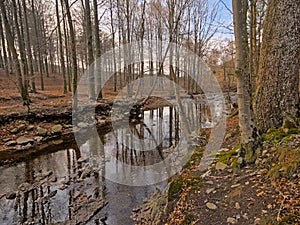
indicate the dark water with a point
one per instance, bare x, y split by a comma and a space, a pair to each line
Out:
70, 185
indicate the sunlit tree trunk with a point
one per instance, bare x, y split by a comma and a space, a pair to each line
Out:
248, 139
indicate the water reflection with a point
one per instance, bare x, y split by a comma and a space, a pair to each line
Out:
69, 185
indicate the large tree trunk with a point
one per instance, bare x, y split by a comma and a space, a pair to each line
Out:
277, 96
243, 80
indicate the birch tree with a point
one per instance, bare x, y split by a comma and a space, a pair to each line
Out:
246, 122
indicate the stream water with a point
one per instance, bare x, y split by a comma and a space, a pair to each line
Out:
69, 185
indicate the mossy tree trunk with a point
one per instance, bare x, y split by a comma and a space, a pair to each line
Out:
277, 96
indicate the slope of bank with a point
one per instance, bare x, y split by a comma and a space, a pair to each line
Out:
267, 192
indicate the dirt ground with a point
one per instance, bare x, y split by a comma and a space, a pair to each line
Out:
254, 195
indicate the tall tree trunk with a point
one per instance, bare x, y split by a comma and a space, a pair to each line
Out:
98, 50
66, 40
61, 50
20, 37
113, 43
253, 43
38, 47
73, 52
5, 57
29, 51
277, 96
89, 40
248, 138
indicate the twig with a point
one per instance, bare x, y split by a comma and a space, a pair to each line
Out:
280, 209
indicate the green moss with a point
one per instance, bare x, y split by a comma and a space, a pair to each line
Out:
288, 124
225, 157
274, 135
271, 130
196, 155
175, 188
288, 138
294, 131
188, 219
179, 184
234, 163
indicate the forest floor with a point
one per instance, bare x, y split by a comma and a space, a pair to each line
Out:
50, 113
265, 193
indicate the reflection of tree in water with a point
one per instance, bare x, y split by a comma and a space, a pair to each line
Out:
161, 134
163, 131
70, 185
36, 200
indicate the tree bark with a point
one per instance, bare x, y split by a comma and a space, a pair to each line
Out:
246, 122
277, 96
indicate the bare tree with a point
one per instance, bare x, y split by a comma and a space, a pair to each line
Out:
61, 50
10, 40
73, 52
248, 138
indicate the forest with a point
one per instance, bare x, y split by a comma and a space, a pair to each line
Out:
149, 112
